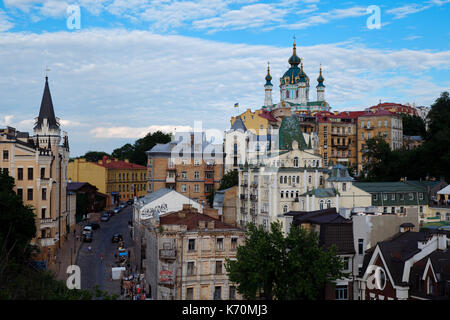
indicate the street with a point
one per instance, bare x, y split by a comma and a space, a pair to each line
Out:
93, 270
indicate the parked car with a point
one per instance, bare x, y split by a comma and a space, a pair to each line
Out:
93, 225
116, 210
87, 228
110, 212
87, 236
130, 202
123, 205
117, 237
105, 217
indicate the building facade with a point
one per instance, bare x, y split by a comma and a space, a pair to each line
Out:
188, 164
185, 254
38, 165
119, 180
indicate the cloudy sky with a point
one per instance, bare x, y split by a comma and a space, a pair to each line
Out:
136, 66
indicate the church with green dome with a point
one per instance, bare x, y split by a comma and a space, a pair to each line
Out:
295, 88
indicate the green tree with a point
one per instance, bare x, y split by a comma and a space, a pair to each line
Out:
230, 179
413, 126
94, 156
136, 152
285, 268
377, 155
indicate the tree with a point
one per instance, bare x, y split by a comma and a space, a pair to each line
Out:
136, 152
94, 156
413, 126
230, 179
284, 268
377, 155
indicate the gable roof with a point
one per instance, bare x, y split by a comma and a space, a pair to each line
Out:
446, 190
238, 125
386, 187
191, 220
75, 186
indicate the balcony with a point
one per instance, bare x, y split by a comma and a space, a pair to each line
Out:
243, 197
209, 180
253, 211
168, 254
170, 179
47, 223
254, 197
369, 127
47, 242
340, 134
209, 167
243, 210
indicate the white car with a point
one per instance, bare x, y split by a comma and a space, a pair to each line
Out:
87, 229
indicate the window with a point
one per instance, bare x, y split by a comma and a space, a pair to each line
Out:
30, 173
42, 173
43, 210
234, 242
393, 197
384, 209
411, 196
420, 196
287, 93
183, 175
189, 293
344, 187
44, 194
196, 162
328, 204
30, 194
217, 293
196, 175
385, 197
282, 194
341, 293
218, 267
402, 196
362, 124
191, 245
360, 246
375, 197
19, 173
190, 268
232, 293
430, 287
219, 244
393, 210
196, 188
296, 162
285, 208
20, 193
5, 155
183, 188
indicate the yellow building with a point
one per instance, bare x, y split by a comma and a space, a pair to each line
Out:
252, 120
120, 180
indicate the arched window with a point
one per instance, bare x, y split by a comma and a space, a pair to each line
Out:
285, 208
287, 93
430, 287
298, 179
296, 194
282, 194
321, 202
296, 162
438, 214
290, 180
296, 93
292, 194
285, 179
328, 204
281, 179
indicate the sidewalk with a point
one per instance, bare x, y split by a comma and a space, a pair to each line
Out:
66, 255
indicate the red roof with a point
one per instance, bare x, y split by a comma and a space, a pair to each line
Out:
267, 115
118, 164
192, 219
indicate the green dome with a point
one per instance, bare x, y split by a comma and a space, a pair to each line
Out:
294, 60
290, 131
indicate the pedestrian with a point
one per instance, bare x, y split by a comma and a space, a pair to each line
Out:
77, 237
101, 257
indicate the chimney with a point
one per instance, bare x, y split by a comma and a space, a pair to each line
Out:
213, 213
211, 225
181, 214
187, 207
202, 224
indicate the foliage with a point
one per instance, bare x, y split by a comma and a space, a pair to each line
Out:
431, 159
210, 198
230, 179
94, 156
413, 126
136, 153
284, 268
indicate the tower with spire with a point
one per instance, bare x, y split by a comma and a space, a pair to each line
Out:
268, 88
320, 86
47, 128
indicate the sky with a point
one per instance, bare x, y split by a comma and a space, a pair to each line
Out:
123, 68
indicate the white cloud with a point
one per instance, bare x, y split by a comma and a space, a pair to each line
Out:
403, 11
6, 120
135, 133
412, 37
5, 22
118, 83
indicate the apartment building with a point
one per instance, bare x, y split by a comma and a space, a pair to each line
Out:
380, 123
119, 180
188, 164
184, 256
38, 165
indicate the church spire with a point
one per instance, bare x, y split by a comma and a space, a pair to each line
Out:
46, 111
268, 88
320, 86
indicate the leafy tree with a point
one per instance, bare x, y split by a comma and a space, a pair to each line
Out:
413, 126
94, 156
285, 268
377, 154
230, 179
136, 153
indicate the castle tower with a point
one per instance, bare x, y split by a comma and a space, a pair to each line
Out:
268, 89
47, 126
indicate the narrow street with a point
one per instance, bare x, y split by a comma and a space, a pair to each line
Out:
93, 270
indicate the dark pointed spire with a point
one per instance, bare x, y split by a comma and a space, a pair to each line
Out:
320, 79
47, 111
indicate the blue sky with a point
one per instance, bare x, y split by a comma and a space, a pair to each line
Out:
137, 66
